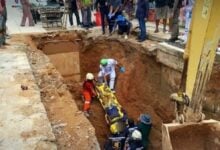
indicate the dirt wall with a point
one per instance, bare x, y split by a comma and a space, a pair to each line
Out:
71, 128
139, 89
144, 87
196, 137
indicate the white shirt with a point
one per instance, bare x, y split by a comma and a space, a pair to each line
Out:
109, 68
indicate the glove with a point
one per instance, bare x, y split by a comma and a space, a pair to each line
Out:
122, 69
109, 15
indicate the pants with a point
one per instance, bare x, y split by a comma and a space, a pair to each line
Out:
3, 19
187, 23
112, 76
124, 29
86, 16
104, 14
175, 25
27, 15
112, 22
142, 26
88, 98
71, 16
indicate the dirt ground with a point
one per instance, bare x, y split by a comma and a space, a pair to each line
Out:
139, 89
199, 137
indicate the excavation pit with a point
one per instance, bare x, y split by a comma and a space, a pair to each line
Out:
144, 87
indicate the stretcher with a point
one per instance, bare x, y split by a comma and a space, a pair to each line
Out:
115, 116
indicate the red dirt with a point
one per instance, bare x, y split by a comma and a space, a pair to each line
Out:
139, 89
195, 137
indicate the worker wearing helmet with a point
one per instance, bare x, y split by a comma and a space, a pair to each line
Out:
144, 126
88, 92
134, 141
107, 68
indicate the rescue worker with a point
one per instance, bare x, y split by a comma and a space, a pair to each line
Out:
107, 68
130, 127
88, 92
144, 126
26, 7
134, 141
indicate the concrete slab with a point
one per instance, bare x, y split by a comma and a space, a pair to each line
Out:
170, 56
23, 119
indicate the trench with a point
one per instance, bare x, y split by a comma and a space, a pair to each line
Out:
143, 88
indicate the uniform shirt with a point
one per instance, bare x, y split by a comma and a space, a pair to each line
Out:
109, 68
88, 85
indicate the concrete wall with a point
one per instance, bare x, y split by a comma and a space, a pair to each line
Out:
65, 57
171, 59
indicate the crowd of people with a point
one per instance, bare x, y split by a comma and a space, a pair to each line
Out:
119, 13
116, 14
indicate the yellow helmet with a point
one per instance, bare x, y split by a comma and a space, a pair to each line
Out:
117, 127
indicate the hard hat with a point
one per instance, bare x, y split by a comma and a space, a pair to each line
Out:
136, 135
104, 62
114, 128
145, 118
89, 76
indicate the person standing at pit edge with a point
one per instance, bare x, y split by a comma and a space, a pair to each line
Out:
73, 8
102, 6
107, 68
141, 14
88, 92
3, 18
26, 7
177, 4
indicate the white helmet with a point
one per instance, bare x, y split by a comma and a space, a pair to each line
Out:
136, 135
89, 76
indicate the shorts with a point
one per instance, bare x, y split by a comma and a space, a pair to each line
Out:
162, 12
